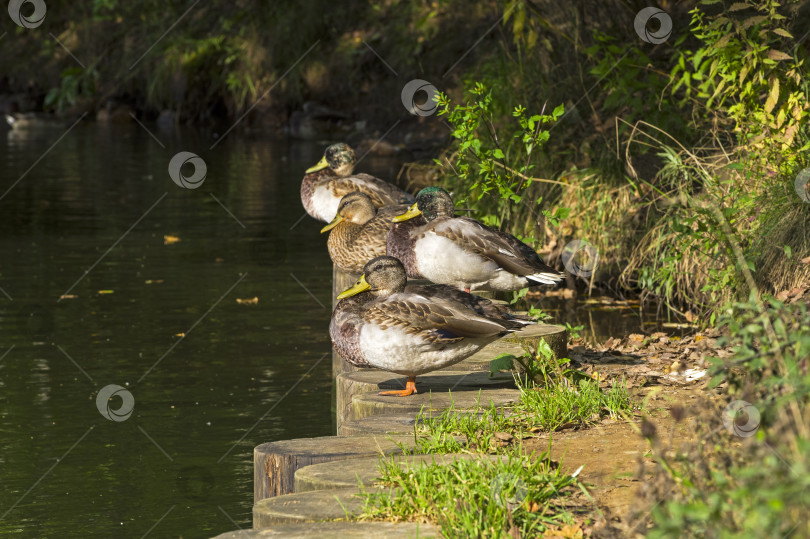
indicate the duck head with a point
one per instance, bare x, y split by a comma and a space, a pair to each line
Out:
382, 276
356, 208
339, 157
431, 202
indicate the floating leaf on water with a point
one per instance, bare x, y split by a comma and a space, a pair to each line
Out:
168, 240
106, 291
249, 301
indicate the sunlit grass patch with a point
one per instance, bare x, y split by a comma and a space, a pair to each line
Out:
476, 497
544, 408
566, 404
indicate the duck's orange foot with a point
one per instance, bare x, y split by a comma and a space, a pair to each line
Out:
410, 389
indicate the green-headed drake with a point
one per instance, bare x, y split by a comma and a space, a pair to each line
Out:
463, 252
410, 331
359, 231
331, 179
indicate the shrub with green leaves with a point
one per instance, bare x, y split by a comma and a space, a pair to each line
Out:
488, 162
760, 488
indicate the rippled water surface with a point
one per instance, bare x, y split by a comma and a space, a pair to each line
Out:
113, 275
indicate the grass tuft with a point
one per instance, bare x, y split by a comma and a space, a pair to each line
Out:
475, 497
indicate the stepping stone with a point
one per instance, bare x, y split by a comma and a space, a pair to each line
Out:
366, 470
480, 360
313, 506
348, 530
275, 463
381, 424
556, 337
351, 384
372, 404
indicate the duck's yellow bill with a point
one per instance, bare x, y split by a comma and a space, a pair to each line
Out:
322, 164
412, 212
335, 222
360, 286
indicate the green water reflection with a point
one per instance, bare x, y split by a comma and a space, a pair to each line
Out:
91, 219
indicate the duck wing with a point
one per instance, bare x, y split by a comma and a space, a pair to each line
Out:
482, 306
379, 226
504, 249
437, 318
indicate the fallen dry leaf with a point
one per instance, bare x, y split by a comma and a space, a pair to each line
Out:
252, 301
168, 240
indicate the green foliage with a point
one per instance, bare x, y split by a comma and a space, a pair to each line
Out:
574, 331
764, 498
475, 497
757, 489
76, 83
743, 59
489, 162
771, 343
711, 239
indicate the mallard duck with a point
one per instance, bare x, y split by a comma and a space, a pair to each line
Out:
359, 231
462, 252
18, 120
380, 323
331, 179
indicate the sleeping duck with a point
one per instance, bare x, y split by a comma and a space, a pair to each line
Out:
359, 231
331, 179
463, 252
379, 323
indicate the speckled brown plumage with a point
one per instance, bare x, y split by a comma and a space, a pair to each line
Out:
344, 330
351, 245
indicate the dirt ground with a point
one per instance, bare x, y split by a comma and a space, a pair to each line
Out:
668, 376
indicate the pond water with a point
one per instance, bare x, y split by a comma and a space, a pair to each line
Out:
106, 265
203, 312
